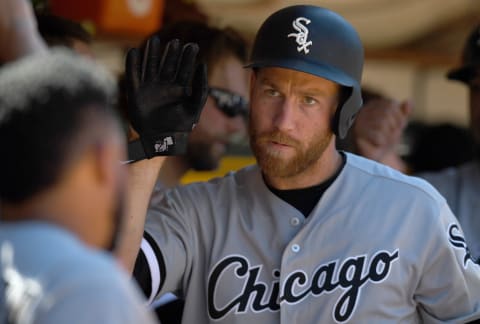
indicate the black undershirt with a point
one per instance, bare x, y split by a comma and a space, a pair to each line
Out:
306, 199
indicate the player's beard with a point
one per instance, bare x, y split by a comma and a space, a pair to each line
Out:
273, 164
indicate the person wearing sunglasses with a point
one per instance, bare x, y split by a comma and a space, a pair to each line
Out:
222, 118
230, 103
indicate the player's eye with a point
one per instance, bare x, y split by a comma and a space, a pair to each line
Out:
272, 92
307, 100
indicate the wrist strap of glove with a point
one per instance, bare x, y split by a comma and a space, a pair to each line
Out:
135, 151
161, 145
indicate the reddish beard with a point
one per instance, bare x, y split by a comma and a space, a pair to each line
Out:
273, 164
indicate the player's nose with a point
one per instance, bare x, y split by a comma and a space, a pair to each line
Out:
283, 119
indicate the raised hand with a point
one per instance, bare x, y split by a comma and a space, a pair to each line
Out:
378, 129
166, 93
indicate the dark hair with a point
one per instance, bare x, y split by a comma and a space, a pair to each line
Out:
47, 104
57, 30
214, 43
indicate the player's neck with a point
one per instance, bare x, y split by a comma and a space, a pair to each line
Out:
172, 171
52, 205
316, 174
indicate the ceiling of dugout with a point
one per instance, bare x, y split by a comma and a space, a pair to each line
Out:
435, 27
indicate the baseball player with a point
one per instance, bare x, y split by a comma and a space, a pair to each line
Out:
61, 191
310, 234
459, 185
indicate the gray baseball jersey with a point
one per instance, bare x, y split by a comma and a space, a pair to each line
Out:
48, 276
379, 247
461, 187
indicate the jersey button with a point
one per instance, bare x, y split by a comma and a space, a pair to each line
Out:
295, 248
294, 221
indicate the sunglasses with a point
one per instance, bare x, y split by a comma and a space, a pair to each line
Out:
231, 104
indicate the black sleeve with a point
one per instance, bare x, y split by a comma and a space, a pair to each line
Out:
142, 275
149, 270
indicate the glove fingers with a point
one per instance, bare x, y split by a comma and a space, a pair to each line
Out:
132, 70
151, 59
168, 67
199, 91
187, 64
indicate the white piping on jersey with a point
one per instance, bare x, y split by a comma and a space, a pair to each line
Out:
155, 274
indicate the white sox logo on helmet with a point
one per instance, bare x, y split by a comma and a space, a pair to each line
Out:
302, 36
256, 296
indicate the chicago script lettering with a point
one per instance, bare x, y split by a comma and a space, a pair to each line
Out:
256, 296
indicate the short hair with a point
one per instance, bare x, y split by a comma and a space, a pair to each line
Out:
214, 43
48, 103
59, 31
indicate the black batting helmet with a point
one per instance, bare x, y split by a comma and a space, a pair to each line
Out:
317, 41
470, 59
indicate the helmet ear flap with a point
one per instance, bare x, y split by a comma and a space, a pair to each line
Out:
344, 94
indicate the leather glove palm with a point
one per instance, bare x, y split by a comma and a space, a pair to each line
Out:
166, 93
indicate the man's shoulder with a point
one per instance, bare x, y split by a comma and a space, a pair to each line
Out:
367, 170
454, 181
469, 170
68, 274
55, 253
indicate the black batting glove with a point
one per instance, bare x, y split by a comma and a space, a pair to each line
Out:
166, 93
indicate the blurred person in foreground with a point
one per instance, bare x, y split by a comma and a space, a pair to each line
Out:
61, 190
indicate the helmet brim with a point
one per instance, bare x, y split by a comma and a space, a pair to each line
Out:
324, 71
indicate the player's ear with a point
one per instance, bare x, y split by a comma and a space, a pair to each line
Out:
105, 159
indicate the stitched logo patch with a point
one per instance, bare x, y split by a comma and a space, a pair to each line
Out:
301, 37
